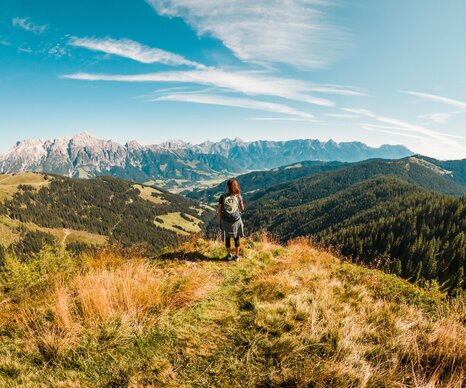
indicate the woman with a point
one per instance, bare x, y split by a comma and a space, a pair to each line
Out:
230, 207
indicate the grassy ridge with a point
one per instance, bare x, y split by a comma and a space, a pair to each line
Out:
283, 316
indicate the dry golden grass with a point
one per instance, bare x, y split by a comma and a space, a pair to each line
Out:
110, 288
305, 301
292, 316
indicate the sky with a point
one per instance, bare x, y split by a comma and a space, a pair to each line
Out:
376, 71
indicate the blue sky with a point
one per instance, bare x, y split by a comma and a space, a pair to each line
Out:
151, 70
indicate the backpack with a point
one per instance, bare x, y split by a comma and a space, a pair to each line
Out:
230, 209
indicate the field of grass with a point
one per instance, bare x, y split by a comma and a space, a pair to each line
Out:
150, 194
8, 235
9, 183
291, 316
170, 221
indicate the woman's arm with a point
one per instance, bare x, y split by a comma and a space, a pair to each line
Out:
241, 204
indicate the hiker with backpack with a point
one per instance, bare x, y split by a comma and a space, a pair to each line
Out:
230, 207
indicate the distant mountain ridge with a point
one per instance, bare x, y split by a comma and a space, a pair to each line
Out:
85, 156
265, 154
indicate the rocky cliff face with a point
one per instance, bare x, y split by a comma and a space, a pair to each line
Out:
85, 156
262, 154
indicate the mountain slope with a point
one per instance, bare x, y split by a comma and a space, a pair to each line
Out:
262, 180
175, 163
108, 208
372, 211
318, 186
412, 169
284, 317
84, 156
262, 154
453, 169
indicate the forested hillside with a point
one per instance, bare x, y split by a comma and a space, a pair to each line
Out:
372, 217
117, 210
260, 180
455, 169
416, 170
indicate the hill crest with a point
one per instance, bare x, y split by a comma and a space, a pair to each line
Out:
283, 316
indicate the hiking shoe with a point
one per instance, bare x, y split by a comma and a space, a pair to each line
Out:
228, 257
237, 258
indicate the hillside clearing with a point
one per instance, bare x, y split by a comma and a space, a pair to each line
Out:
176, 223
9, 183
283, 316
150, 194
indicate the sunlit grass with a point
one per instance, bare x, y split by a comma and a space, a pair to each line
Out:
283, 316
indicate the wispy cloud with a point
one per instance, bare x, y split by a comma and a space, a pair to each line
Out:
341, 90
57, 51
438, 118
340, 115
4, 42
212, 99
133, 50
27, 25
295, 32
249, 83
282, 119
436, 98
413, 129
24, 49
387, 129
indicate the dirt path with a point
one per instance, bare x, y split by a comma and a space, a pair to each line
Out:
66, 234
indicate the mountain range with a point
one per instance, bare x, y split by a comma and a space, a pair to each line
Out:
177, 163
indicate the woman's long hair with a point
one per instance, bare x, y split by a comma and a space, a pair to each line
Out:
233, 187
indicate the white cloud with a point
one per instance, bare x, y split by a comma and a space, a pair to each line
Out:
4, 42
27, 25
24, 49
438, 118
421, 132
281, 119
293, 32
340, 115
339, 90
130, 49
57, 51
212, 99
421, 144
387, 129
436, 98
249, 83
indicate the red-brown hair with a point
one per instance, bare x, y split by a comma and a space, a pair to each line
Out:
233, 187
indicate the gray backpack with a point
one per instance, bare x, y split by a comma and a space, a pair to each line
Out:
231, 211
